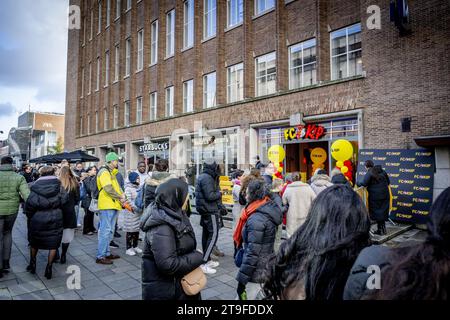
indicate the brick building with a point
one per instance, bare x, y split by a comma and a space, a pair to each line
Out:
247, 72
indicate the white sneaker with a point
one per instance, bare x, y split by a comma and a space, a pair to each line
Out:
213, 264
130, 252
207, 269
137, 250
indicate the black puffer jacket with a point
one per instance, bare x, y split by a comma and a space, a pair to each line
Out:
258, 241
208, 198
377, 182
44, 211
152, 183
69, 213
169, 248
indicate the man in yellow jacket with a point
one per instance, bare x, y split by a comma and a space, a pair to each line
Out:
110, 200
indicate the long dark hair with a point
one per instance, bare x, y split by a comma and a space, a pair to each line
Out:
319, 255
423, 271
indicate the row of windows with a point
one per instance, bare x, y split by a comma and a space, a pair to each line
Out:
345, 58
235, 16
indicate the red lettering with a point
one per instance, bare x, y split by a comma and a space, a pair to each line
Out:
310, 131
319, 132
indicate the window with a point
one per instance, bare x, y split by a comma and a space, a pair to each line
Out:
235, 83
170, 33
153, 105
116, 63
126, 116
235, 12
105, 119
81, 125
90, 78
92, 25
139, 110
118, 8
116, 117
127, 57
263, 5
82, 82
346, 52
128, 5
266, 74
209, 90
96, 122
302, 64
88, 118
209, 19
154, 43
106, 68
188, 34
97, 85
140, 53
99, 17
188, 96
84, 31
169, 101
108, 12
51, 138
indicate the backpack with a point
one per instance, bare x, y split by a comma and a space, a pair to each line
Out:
139, 201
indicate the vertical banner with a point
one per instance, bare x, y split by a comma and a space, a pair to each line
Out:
411, 173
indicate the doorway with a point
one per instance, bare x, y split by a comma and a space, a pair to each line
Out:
306, 157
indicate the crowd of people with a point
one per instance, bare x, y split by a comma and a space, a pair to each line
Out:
324, 253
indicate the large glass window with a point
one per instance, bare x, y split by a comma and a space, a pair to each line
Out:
188, 33
126, 118
188, 96
209, 19
127, 57
81, 125
92, 25
116, 63
99, 68
128, 4
106, 68
99, 17
266, 74
116, 117
139, 110
154, 43
105, 119
235, 12
263, 5
235, 83
96, 121
140, 54
169, 102
170, 33
153, 105
108, 12
346, 52
118, 8
90, 78
302, 64
82, 82
209, 90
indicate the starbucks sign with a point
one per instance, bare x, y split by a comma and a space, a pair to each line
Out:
151, 147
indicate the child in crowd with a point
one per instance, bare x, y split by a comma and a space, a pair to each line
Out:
132, 218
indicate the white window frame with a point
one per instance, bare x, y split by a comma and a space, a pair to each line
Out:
107, 62
126, 114
108, 13
347, 52
140, 52
139, 110
116, 63
82, 82
188, 96
99, 17
265, 57
90, 78
259, 11
127, 57
105, 119
169, 101
188, 24
209, 15
96, 122
99, 68
170, 33
153, 114
115, 116
208, 91
301, 45
154, 43
238, 84
118, 9
234, 6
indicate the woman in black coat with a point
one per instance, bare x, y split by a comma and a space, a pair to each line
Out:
44, 211
377, 183
90, 184
169, 246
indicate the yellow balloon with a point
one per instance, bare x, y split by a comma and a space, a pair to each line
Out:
318, 155
339, 164
344, 169
341, 150
276, 153
280, 169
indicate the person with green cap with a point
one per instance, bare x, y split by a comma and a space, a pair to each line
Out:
111, 199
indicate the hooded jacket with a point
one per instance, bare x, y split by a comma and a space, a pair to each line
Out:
208, 198
169, 246
132, 220
320, 182
299, 197
107, 179
151, 183
377, 183
12, 187
258, 242
44, 211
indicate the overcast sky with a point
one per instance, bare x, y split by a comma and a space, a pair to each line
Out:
33, 55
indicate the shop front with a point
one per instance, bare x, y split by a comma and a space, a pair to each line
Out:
152, 152
315, 144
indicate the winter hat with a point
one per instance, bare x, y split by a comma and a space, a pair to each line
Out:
132, 177
112, 156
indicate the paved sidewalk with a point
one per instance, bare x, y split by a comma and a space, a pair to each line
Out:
117, 282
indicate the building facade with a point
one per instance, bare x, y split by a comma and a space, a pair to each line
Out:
192, 79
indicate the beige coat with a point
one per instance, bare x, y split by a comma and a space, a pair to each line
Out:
299, 197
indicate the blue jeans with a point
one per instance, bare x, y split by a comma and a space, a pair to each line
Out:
107, 224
